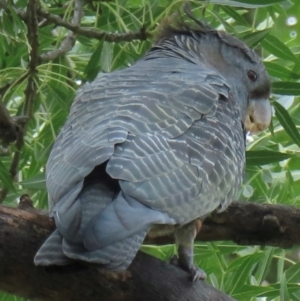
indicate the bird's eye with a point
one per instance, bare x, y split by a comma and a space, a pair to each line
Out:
252, 75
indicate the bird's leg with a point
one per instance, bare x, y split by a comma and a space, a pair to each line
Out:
184, 237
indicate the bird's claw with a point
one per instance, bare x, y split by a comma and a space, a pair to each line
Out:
196, 273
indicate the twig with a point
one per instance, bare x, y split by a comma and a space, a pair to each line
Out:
31, 90
141, 35
69, 41
96, 34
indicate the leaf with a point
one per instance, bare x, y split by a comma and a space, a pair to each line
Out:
279, 71
246, 3
5, 177
279, 49
254, 38
293, 273
264, 264
106, 57
35, 182
242, 268
264, 2
291, 287
284, 294
160, 252
233, 14
287, 123
263, 157
249, 291
286, 88
93, 66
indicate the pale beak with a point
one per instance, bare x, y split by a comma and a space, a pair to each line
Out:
258, 116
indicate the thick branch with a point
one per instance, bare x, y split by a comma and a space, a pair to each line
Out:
22, 232
250, 224
148, 279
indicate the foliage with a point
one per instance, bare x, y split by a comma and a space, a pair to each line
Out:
273, 165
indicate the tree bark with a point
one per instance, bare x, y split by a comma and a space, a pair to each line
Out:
23, 231
250, 224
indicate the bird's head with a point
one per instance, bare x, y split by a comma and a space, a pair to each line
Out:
230, 57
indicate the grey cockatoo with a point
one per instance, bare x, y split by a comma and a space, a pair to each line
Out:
157, 146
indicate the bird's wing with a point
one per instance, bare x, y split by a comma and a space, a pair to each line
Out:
135, 118
192, 158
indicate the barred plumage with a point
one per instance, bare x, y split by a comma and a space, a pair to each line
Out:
162, 142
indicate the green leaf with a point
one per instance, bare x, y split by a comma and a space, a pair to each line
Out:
246, 3
242, 268
106, 57
279, 49
286, 121
264, 264
264, 2
93, 67
286, 88
279, 71
262, 157
160, 252
35, 182
254, 38
284, 294
5, 177
249, 291
293, 273
291, 287
233, 14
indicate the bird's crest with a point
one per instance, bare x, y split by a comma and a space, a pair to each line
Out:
175, 25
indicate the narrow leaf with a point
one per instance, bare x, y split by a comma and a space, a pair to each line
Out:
279, 71
279, 49
245, 3
287, 123
293, 273
262, 157
5, 177
233, 14
265, 2
93, 66
254, 38
35, 182
286, 88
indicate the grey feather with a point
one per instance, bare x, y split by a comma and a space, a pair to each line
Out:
161, 142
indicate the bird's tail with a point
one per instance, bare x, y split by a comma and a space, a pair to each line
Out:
51, 252
110, 232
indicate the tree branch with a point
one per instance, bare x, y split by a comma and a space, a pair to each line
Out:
31, 89
141, 35
250, 224
69, 41
22, 232
96, 34
148, 279
8, 127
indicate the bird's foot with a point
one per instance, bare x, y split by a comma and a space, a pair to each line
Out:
195, 272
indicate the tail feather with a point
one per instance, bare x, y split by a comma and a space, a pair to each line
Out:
51, 252
109, 228
117, 256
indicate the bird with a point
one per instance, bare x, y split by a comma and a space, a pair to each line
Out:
154, 148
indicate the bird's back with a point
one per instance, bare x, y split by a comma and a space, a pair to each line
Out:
167, 137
